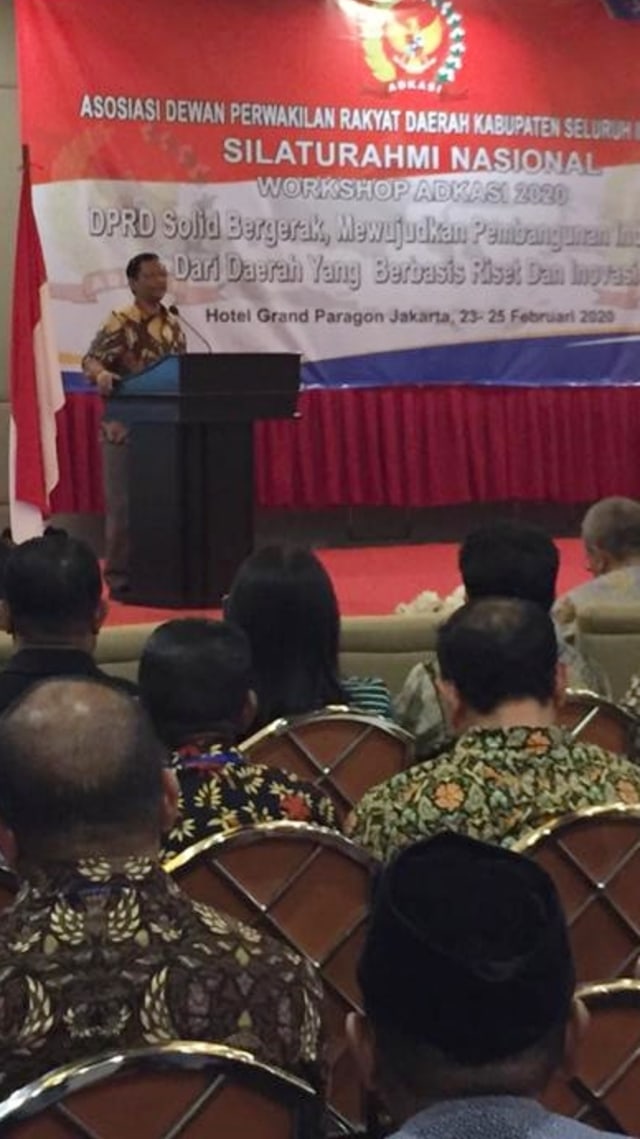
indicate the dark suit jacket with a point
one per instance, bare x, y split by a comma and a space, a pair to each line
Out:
29, 665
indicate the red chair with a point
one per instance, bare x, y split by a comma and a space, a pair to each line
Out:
9, 886
310, 887
593, 720
342, 752
603, 1093
593, 857
184, 1090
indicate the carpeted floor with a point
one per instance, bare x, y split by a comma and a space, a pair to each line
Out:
374, 579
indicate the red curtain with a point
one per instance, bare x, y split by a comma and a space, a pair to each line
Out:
414, 446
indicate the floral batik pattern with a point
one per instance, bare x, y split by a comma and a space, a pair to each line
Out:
220, 790
492, 784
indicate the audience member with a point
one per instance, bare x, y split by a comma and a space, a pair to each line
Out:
53, 609
511, 768
503, 559
195, 680
101, 949
286, 604
631, 699
611, 537
468, 986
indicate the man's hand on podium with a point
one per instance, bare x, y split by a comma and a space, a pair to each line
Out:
105, 381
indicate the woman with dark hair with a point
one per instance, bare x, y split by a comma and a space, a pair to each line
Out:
285, 602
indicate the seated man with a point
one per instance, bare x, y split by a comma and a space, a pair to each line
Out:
510, 769
611, 537
101, 949
468, 981
53, 609
195, 681
504, 559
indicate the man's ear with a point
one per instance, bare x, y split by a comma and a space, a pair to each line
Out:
577, 1027
169, 803
560, 685
598, 560
6, 623
248, 714
100, 616
8, 845
362, 1047
451, 701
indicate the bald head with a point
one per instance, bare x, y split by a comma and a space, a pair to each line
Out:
611, 532
78, 761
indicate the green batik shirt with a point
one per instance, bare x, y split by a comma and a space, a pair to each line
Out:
492, 784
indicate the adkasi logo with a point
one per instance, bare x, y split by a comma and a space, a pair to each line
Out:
413, 46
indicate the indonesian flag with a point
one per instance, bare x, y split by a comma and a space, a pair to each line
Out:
36, 384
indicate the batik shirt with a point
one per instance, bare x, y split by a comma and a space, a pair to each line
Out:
221, 790
98, 955
492, 784
130, 340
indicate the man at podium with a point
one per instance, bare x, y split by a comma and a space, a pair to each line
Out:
130, 340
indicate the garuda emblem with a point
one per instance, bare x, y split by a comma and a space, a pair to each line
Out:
413, 45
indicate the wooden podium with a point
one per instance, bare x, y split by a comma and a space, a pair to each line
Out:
191, 482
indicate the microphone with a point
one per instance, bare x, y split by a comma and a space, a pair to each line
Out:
173, 309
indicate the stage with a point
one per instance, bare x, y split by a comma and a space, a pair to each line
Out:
413, 447
372, 580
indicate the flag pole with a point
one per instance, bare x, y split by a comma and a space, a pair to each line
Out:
36, 392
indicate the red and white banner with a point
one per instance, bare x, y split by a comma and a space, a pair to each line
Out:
401, 190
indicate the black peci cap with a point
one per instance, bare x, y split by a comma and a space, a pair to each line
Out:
467, 950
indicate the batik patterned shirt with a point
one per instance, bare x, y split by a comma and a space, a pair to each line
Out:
130, 339
99, 955
492, 784
221, 790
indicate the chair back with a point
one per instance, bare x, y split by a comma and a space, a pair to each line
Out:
310, 887
388, 645
609, 634
593, 720
184, 1090
593, 857
603, 1092
342, 752
9, 886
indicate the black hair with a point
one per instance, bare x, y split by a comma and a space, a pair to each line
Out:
52, 587
285, 602
499, 649
136, 263
510, 559
194, 677
89, 763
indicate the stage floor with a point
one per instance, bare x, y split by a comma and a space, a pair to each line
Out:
374, 579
